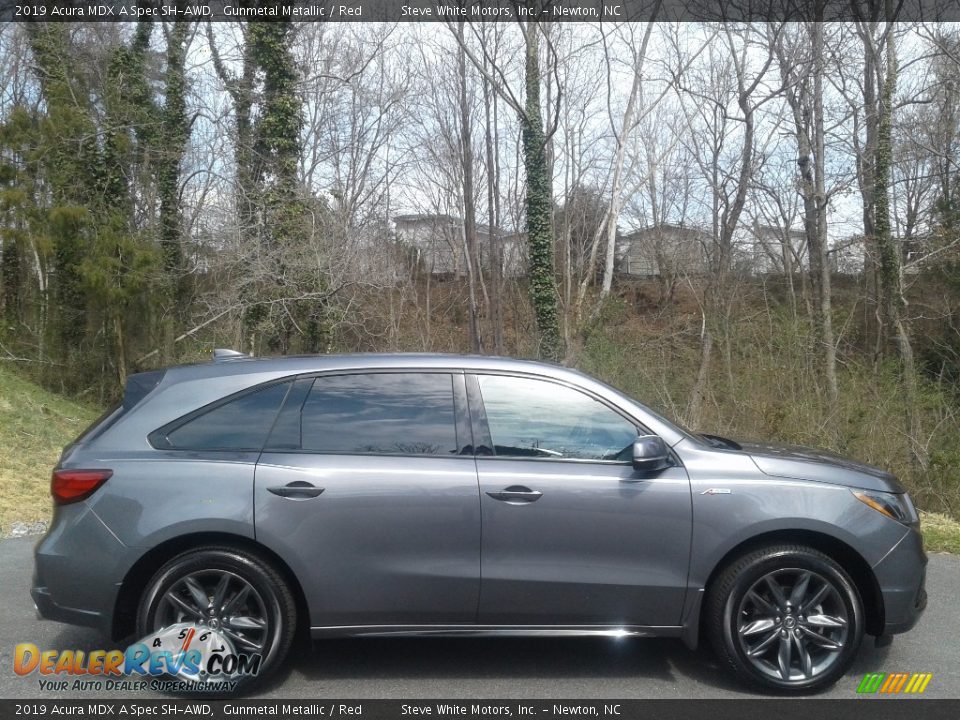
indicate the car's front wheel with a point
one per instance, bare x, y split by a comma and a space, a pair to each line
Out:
785, 618
220, 601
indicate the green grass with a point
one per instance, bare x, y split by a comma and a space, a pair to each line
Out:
941, 533
34, 426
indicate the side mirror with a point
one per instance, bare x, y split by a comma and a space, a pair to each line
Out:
650, 453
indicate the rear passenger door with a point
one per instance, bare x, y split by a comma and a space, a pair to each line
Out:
367, 487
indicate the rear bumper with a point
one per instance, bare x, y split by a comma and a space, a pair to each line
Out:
78, 568
47, 609
902, 575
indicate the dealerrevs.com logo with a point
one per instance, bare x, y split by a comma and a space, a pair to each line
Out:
181, 657
898, 683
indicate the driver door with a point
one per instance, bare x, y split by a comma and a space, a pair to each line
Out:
572, 534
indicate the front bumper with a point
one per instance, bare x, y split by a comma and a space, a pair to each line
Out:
901, 576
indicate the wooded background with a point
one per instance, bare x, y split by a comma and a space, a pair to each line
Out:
166, 188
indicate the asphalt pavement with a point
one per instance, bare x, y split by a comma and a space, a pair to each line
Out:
624, 668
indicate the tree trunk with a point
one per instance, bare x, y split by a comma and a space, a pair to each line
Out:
473, 268
11, 276
867, 179
699, 391
892, 300
806, 102
120, 346
824, 299
888, 254
174, 141
543, 286
493, 213
616, 191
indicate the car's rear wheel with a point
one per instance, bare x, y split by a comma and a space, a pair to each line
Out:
233, 599
785, 618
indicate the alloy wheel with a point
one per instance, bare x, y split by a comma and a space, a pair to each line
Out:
792, 625
220, 600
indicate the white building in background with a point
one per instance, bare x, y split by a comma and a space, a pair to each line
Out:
776, 250
847, 255
664, 249
770, 244
758, 250
436, 243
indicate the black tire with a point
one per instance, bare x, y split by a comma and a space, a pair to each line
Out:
743, 613
268, 599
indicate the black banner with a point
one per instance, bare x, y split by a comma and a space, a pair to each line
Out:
474, 10
782, 709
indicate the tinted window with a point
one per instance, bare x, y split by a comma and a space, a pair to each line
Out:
286, 430
390, 413
240, 424
536, 418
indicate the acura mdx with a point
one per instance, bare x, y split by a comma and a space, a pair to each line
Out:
396, 494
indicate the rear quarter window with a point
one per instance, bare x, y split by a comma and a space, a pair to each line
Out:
240, 423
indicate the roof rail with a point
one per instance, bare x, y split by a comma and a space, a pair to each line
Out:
226, 354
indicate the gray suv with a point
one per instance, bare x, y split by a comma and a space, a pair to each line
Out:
441, 495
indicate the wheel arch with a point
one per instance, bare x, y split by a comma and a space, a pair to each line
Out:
845, 555
131, 588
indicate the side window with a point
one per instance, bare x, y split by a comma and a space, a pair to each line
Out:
538, 418
240, 424
285, 435
383, 413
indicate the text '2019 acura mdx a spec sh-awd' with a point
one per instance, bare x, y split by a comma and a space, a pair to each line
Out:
441, 495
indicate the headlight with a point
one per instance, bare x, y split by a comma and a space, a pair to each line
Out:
894, 506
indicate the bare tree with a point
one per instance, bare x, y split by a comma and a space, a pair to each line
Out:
721, 100
471, 254
539, 194
491, 145
881, 72
801, 56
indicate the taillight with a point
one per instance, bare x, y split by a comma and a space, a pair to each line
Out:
70, 486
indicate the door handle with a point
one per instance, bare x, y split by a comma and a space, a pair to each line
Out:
297, 490
516, 494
